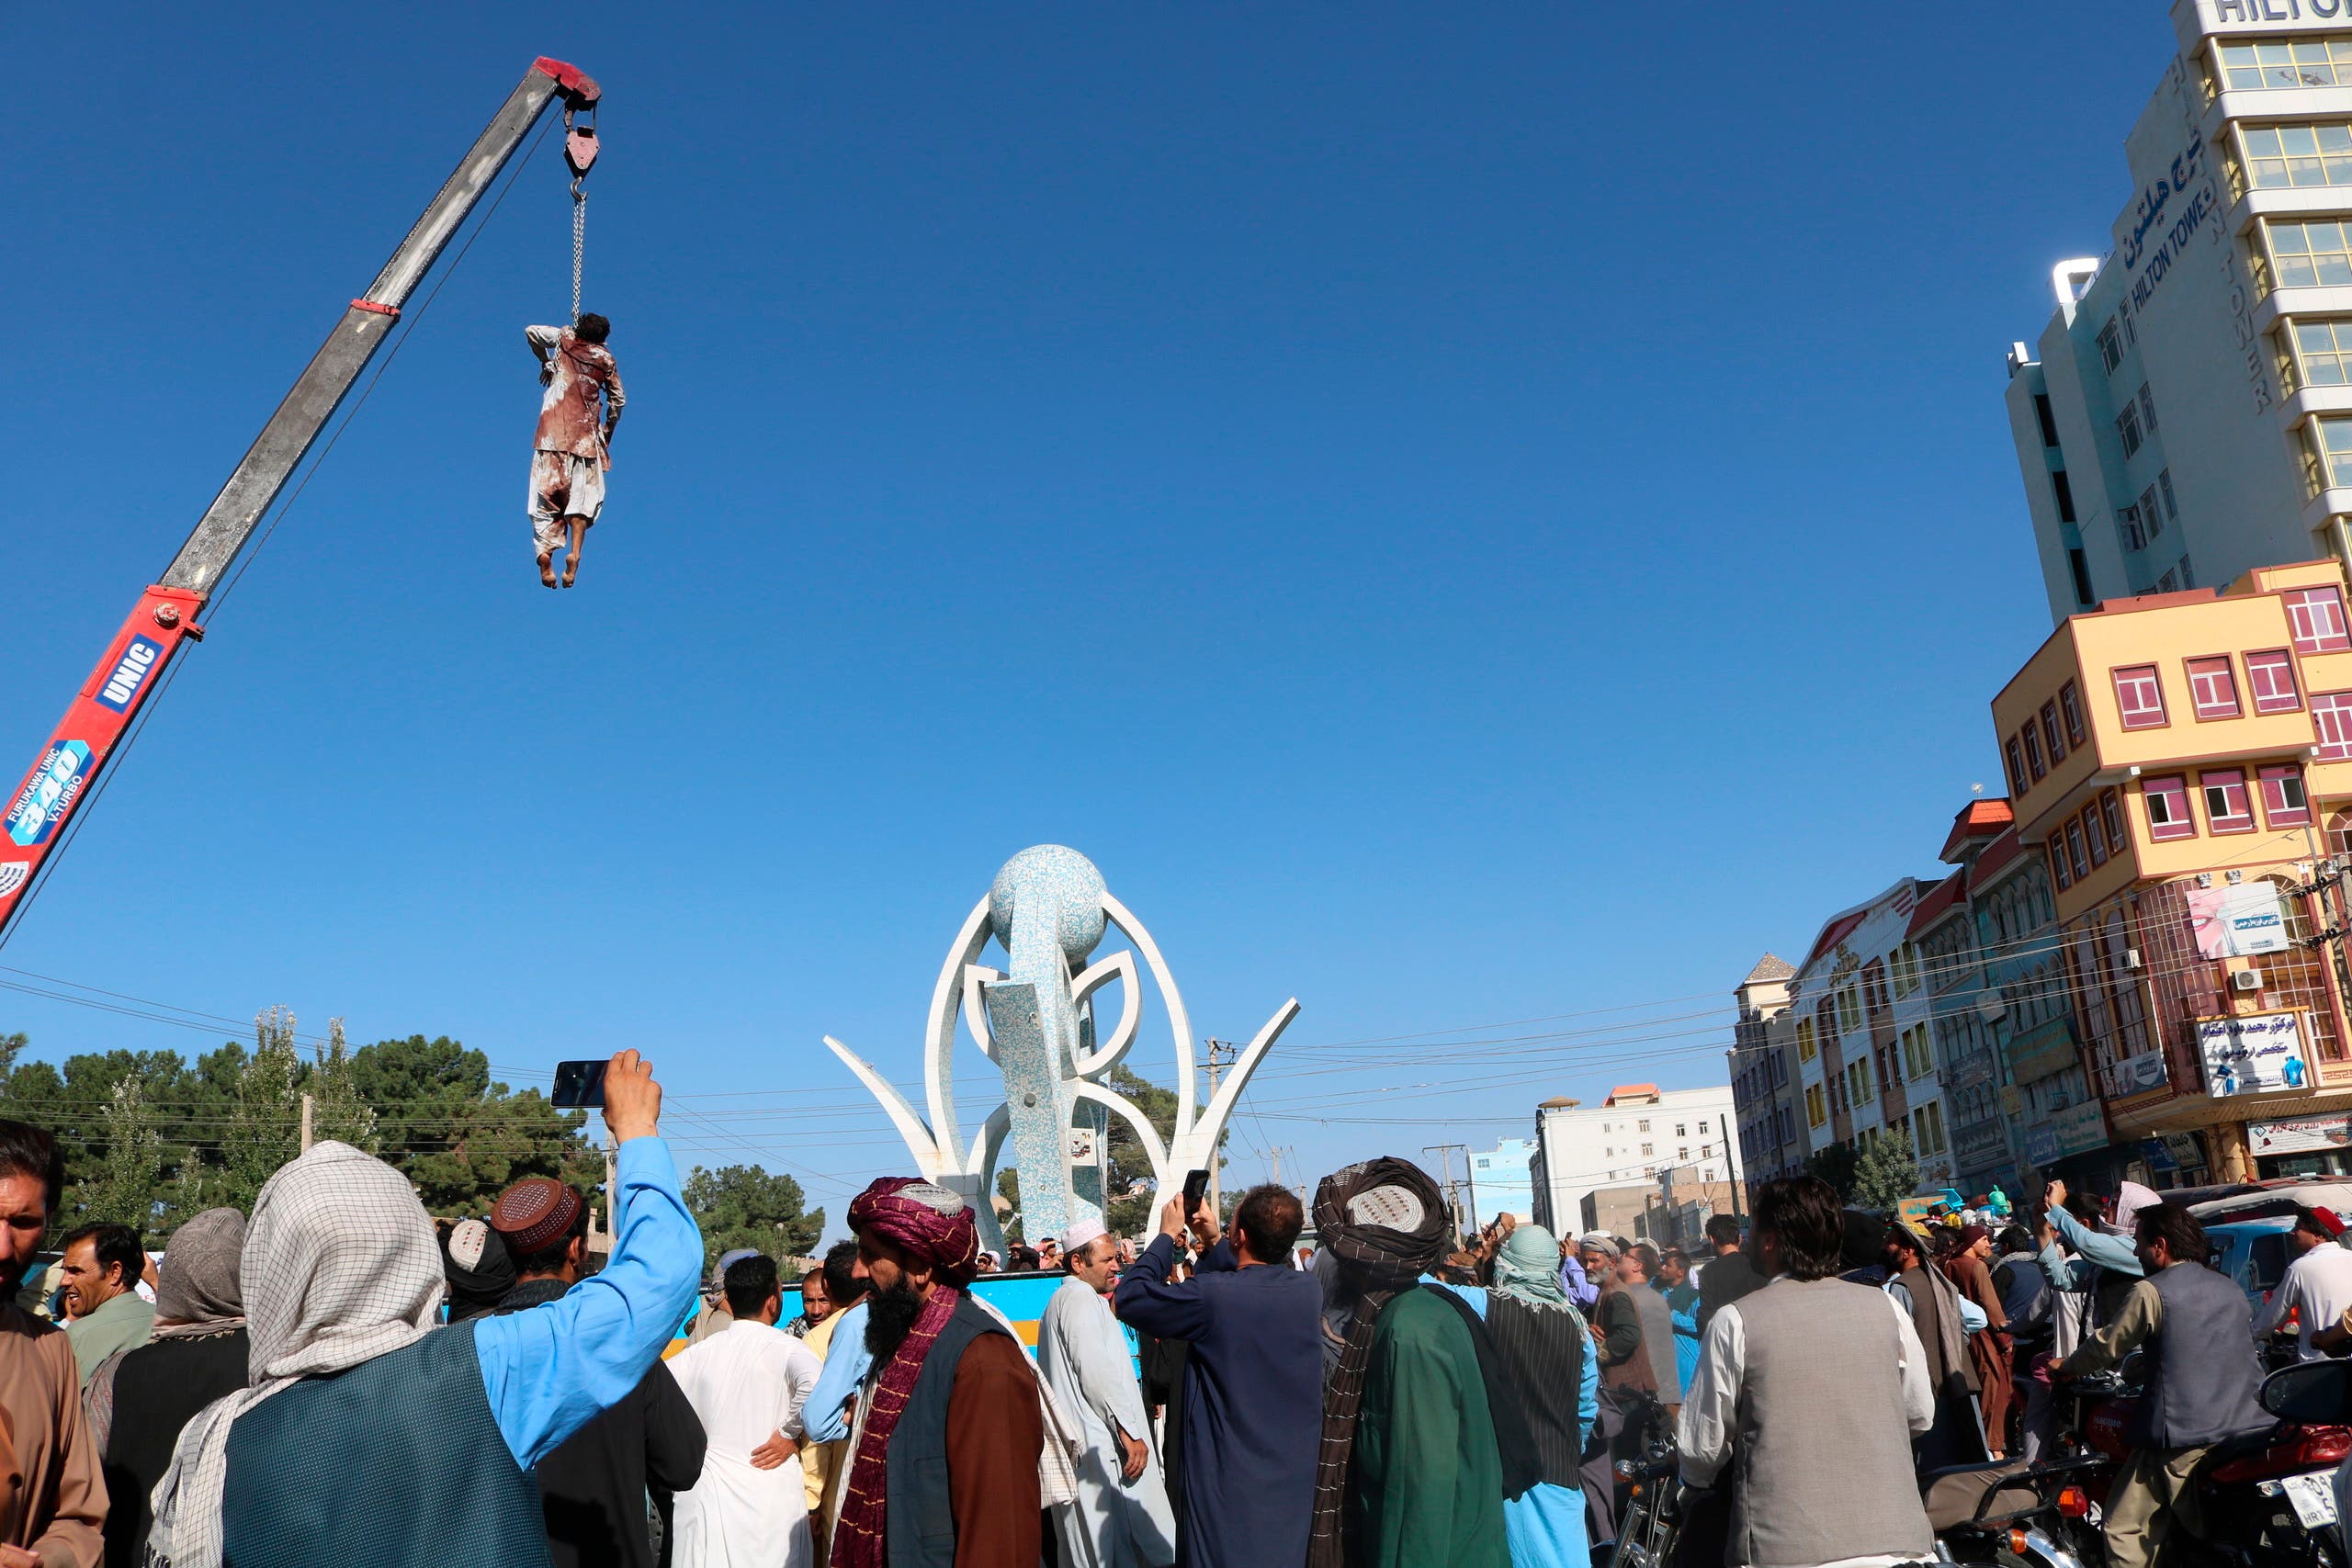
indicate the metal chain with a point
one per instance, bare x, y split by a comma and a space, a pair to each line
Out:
579, 240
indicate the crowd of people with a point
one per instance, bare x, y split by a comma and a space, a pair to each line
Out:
337, 1379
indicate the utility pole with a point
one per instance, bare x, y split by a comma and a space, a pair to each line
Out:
1446, 1151
307, 1103
1222, 1056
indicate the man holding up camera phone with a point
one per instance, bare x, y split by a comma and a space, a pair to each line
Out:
367, 1439
1252, 1422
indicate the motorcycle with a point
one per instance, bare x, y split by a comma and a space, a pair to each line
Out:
2263, 1500
2017, 1514
1649, 1524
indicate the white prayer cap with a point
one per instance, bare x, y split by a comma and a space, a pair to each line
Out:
1082, 1233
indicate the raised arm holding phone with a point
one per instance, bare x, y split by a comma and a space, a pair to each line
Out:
343, 1286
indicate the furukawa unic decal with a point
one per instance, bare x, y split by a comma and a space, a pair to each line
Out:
50, 793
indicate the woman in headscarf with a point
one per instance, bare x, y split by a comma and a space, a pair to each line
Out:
1547, 1350
141, 1398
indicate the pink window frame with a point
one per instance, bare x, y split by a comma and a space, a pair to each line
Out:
2070, 702
2332, 711
2201, 671
2284, 816
2173, 787
2266, 661
2310, 637
2226, 779
2128, 679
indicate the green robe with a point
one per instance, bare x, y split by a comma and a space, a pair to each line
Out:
1427, 1487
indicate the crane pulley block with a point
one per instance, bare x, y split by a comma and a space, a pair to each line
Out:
579, 146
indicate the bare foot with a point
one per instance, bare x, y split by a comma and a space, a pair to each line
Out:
546, 570
570, 570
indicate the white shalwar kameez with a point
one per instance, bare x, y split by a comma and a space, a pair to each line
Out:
1116, 1523
747, 1384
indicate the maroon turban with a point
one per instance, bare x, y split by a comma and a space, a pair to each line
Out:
919, 1217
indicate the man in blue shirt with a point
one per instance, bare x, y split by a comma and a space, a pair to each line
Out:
1253, 1385
368, 1438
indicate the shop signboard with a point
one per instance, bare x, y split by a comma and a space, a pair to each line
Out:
2261, 1053
2079, 1126
2237, 922
1980, 1144
2041, 1052
2300, 1134
2042, 1145
2137, 1075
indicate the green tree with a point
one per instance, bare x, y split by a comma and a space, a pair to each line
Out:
1007, 1186
265, 1125
126, 1188
1128, 1185
742, 1205
1834, 1164
1886, 1174
337, 1109
458, 1135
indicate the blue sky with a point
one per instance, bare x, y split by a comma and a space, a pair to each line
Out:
1466, 517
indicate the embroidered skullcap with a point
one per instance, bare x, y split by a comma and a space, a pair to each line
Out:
1084, 1234
922, 1218
479, 1271
535, 1213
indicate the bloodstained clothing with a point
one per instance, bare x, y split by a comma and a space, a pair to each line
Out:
575, 374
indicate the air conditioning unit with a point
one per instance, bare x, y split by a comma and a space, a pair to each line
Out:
2131, 958
2247, 980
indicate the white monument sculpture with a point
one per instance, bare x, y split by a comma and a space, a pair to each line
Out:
1034, 1019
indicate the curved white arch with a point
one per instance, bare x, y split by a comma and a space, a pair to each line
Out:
1145, 1134
921, 1143
976, 1012
939, 1054
1120, 965
1123, 918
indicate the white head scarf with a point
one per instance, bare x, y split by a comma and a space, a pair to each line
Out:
340, 1267
2130, 1199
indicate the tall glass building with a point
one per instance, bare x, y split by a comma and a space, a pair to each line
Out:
2187, 414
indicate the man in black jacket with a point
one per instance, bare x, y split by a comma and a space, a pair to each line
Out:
592, 1488
1729, 1274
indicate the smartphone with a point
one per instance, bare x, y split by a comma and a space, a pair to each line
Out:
1196, 1186
579, 1086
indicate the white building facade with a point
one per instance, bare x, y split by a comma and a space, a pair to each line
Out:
1636, 1135
1865, 1040
2187, 412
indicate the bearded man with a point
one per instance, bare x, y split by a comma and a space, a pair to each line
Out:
1122, 1518
950, 1429
52, 1500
